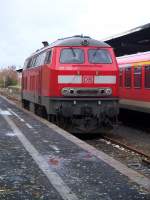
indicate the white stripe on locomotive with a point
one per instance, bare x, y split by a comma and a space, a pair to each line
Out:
105, 79
69, 79
66, 79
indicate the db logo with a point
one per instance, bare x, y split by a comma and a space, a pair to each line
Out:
87, 79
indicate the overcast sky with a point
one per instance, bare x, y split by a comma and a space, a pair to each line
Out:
25, 23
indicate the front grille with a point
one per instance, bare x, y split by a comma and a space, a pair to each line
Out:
85, 92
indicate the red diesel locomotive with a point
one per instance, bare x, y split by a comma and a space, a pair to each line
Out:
73, 82
134, 81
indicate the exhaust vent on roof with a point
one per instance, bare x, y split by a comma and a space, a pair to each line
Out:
45, 43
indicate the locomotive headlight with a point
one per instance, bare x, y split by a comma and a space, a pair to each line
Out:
68, 91
108, 91
65, 91
71, 91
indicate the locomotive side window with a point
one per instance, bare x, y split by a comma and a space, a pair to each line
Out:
40, 59
29, 63
128, 77
37, 61
121, 77
137, 77
48, 57
25, 63
72, 55
99, 56
33, 64
147, 76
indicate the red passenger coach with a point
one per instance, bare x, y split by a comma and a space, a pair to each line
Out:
134, 83
73, 82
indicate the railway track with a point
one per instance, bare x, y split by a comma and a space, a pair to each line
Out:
145, 157
129, 155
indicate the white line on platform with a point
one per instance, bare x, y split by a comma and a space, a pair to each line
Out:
4, 112
28, 125
64, 191
22, 120
11, 134
54, 147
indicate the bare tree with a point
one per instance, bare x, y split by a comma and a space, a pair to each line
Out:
8, 76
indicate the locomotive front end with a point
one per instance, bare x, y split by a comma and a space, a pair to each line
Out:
74, 83
86, 89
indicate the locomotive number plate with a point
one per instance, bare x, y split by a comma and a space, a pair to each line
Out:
87, 79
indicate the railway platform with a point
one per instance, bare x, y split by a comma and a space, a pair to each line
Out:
40, 161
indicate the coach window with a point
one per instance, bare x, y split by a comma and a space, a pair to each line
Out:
128, 77
121, 77
147, 76
48, 57
137, 77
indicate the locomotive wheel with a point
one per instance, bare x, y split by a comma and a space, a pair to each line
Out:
40, 111
52, 118
32, 107
25, 104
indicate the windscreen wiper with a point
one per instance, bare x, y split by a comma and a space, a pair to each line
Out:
95, 52
73, 52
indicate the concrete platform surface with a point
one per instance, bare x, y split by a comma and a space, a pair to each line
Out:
38, 160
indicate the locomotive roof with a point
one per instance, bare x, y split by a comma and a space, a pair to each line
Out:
75, 41
78, 41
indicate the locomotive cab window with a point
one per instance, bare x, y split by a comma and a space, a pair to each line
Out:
99, 56
72, 55
137, 77
128, 77
147, 76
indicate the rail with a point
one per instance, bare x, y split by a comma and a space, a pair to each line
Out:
145, 159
